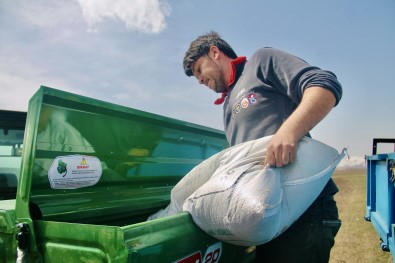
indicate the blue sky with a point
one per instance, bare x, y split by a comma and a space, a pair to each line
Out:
130, 52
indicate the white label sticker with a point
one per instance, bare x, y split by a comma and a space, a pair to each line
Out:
213, 253
74, 171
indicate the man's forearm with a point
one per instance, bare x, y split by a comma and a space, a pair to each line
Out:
315, 105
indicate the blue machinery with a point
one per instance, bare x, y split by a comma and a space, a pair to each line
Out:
380, 210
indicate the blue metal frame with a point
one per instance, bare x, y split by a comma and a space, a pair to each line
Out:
380, 196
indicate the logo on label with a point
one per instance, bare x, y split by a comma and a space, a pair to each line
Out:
244, 103
62, 168
83, 165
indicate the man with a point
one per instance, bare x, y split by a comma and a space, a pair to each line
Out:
273, 93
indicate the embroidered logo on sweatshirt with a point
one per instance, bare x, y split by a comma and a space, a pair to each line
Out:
252, 98
244, 103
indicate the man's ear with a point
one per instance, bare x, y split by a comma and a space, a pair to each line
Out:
215, 52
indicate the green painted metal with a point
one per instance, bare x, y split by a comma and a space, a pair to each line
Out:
7, 230
143, 156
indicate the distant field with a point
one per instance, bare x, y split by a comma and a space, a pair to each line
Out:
357, 240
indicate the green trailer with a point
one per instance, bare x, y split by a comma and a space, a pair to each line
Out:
91, 173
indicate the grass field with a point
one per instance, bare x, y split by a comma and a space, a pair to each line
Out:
357, 240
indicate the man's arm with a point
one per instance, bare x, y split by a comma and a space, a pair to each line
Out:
315, 105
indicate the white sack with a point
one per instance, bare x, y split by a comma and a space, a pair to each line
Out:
232, 197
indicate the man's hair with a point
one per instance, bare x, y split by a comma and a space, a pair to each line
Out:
201, 46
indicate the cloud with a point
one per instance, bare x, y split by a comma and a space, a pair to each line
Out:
43, 14
21, 78
131, 91
16, 90
141, 15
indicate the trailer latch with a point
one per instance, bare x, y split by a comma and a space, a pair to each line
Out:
23, 236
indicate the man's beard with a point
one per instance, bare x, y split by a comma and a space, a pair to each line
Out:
220, 85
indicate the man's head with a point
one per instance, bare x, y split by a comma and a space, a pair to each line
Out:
208, 59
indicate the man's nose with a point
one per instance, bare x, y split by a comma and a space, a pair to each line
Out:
199, 78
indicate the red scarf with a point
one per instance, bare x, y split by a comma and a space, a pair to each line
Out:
232, 77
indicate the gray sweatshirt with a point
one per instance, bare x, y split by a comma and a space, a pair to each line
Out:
266, 90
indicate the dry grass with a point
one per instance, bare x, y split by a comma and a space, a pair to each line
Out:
357, 240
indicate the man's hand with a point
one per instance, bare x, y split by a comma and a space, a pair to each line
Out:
315, 104
281, 150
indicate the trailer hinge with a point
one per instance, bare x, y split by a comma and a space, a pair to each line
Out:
23, 242
23, 235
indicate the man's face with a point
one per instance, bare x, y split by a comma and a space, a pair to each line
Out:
209, 72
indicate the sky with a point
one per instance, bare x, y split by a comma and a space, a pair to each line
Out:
130, 52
